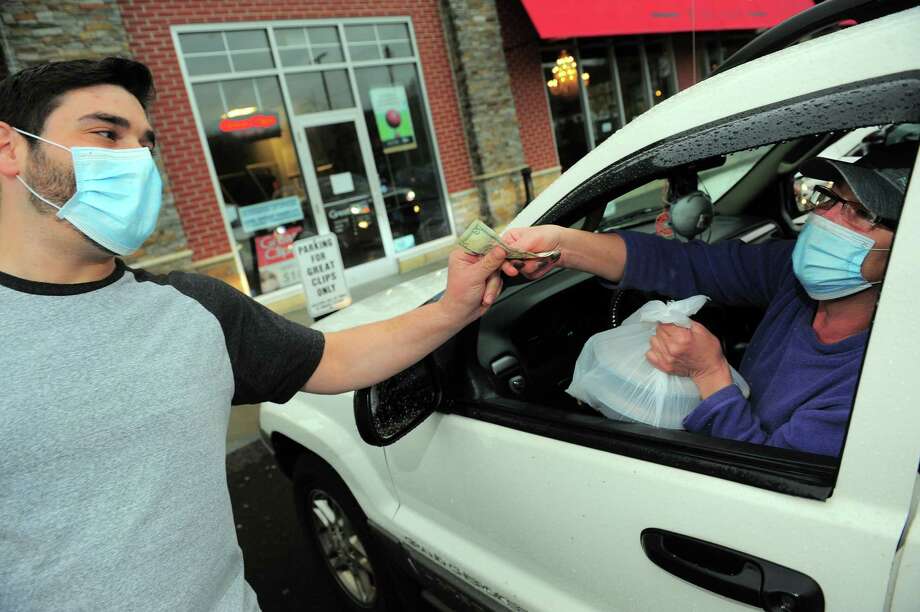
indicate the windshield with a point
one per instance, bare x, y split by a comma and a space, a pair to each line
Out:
648, 200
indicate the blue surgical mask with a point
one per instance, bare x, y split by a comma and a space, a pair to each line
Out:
118, 196
828, 258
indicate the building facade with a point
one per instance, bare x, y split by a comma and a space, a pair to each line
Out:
390, 124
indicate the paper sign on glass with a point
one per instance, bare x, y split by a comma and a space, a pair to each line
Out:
393, 119
270, 214
341, 183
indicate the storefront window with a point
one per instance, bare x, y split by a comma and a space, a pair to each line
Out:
344, 189
308, 46
313, 92
717, 47
374, 42
218, 52
405, 164
632, 81
322, 80
600, 87
260, 181
662, 81
618, 81
568, 116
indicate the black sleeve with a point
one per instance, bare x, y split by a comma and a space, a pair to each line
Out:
272, 357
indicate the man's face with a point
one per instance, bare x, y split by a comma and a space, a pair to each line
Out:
105, 116
873, 266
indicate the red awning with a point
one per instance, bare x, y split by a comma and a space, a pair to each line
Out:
560, 19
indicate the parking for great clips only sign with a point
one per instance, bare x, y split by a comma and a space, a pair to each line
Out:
323, 274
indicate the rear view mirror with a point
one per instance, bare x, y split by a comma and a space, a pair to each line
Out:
389, 410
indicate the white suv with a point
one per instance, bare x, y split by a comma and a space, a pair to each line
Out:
473, 481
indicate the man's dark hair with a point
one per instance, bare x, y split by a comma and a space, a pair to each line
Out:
30, 95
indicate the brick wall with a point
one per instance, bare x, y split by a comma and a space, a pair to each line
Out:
148, 22
522, 53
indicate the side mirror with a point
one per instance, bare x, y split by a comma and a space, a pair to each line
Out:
389, 410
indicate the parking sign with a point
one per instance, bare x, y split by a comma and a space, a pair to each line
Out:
320, 263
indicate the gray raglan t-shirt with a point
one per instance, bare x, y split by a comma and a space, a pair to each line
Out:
114, 405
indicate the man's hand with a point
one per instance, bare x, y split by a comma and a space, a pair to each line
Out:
473, 283
363, 356
693, 352
533, 239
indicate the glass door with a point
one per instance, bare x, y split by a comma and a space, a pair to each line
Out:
336, 155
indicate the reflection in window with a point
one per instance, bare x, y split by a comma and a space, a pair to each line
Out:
347, 200
603, 102
307, 46
313, 92
404, 157
231, 51
260, 182
381, 41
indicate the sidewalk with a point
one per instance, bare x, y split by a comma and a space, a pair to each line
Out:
244, 419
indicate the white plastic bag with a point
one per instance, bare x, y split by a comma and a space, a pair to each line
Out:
613, 376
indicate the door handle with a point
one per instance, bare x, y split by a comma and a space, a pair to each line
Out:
734, 574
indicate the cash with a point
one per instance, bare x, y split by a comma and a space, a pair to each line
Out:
479, 239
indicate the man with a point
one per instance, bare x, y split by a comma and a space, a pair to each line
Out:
117, 383
819, 292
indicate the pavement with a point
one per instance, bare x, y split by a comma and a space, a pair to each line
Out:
277, 564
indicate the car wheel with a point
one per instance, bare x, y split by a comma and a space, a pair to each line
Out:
340, 541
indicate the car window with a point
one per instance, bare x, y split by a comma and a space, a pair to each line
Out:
531, 336
717, 181
649, 199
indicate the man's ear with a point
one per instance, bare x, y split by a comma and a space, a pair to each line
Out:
13, 149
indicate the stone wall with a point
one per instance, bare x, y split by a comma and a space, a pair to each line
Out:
487, 106
34, 32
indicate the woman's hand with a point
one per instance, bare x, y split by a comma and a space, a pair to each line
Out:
534, 239
693, 352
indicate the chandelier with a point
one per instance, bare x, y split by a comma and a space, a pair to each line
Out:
565, 76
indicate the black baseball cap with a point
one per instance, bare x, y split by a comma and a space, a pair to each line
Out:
878, 179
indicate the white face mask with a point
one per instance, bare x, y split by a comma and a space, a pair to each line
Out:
118, 197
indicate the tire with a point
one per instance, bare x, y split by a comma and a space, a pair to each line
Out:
341, 544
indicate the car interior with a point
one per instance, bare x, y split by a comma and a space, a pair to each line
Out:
527, 344
512, 367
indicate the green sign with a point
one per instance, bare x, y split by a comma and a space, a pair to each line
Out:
394, 123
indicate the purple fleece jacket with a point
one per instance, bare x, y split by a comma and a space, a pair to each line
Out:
801, 389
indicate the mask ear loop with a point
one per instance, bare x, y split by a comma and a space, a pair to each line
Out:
26, 185
60, 146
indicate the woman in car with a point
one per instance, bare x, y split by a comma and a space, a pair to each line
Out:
819, 292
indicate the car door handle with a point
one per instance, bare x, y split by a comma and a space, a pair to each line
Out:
731, 573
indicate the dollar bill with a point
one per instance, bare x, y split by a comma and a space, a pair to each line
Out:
479, 239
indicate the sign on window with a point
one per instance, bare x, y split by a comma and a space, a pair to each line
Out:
394, 123
270, 214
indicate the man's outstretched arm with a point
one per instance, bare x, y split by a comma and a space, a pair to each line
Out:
362, 356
